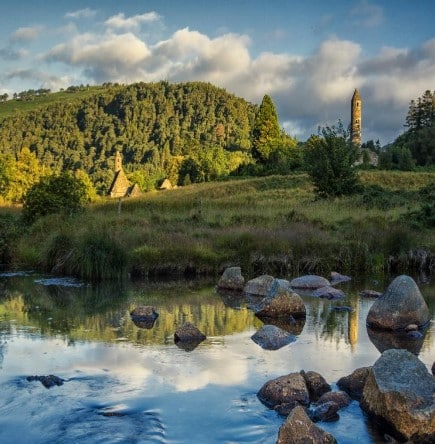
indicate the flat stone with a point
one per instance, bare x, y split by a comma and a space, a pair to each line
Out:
309, 282
328, 292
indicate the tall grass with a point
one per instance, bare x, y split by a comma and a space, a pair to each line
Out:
271, 224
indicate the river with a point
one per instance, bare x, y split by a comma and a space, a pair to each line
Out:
127, 384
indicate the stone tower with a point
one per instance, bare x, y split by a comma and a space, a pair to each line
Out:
118, 162
355, 118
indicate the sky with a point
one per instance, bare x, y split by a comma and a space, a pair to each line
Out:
308, 56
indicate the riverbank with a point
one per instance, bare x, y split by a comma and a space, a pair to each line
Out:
271, 224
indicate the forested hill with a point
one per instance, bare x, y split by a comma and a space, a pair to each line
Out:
158, 127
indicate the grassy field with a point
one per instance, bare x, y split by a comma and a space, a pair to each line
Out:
270, 225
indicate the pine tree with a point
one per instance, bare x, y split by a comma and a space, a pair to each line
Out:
266, 131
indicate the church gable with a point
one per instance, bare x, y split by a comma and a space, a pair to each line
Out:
121, 186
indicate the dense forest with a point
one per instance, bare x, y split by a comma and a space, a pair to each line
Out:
161, 129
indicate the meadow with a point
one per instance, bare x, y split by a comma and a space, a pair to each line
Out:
273, 224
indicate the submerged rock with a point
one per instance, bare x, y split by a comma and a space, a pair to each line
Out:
353, 384
326, 411
231, 279
401, 393
401, 304
271, 337
309, 282
299, 429
47, 381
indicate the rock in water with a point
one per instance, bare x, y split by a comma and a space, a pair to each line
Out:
285, 392
401, 305
259, 286
231, 279
271, 337
188, 336
283, 305
353, 384
400, 391
316, 384
299, 429
144, 316
309, 282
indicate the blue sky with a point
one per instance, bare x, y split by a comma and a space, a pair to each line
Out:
309, 56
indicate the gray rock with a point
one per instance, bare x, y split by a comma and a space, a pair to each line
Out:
337, 278
258, 286
271, 337
401, 304
277, 287
47, 381
289, 390
400, 391
299, 429
328, 292
309, 282
353, 384
231, 279
316, 384
285, 304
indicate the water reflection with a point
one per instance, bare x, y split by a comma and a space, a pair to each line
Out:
122, 378
384, 340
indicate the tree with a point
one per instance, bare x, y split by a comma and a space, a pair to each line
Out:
266, 131
54, 194
330, 161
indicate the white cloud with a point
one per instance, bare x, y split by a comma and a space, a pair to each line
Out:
27, 34
81, 13
119, 21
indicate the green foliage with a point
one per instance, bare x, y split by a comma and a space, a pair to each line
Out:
54, 194
154, 125
329, 160
396, 158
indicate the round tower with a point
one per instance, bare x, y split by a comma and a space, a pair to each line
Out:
355, 118
118, 162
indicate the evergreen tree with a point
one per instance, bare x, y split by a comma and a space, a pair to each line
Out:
266, 131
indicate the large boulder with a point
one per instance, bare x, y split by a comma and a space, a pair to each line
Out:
258, 286
401, 305
231, 279
309, 282
285, 393
271, 337
400, 392
299, 429
353, 384
284, 304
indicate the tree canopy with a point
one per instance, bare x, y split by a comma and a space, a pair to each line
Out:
330, 160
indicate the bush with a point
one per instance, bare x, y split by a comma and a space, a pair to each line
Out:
54, 194
329, 160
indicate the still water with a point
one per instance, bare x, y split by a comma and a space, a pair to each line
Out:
126, 384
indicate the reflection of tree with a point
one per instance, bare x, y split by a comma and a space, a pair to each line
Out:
103, 313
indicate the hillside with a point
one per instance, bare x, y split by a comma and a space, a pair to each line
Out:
154, 125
